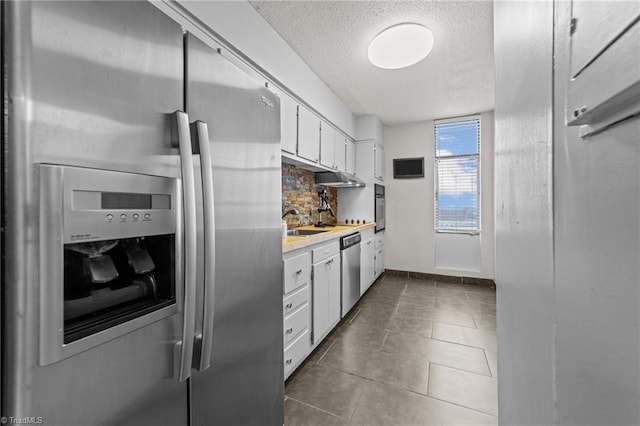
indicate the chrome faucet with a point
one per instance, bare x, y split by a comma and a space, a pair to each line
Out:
292, 211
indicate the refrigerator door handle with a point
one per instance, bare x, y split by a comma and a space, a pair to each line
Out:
185, 346
202, 358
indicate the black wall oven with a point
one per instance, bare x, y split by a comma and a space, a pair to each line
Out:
379, 207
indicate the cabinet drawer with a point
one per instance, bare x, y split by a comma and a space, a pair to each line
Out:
326, 251
295, 324
294, 301
296, 352
297, 271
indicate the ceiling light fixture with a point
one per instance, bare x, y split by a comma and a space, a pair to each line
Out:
400, 46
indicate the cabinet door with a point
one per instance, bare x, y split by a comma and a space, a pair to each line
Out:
378, 171
350, 167
326, 296
333, 264
288, 123
327, 145
308, 135
367, 265
340, 153
320, 301
379, 263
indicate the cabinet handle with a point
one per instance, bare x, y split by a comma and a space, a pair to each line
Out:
299, 271
289, 330
329, 262
368, 242
289, 305
288, 362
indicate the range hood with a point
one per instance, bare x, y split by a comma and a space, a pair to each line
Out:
338, 179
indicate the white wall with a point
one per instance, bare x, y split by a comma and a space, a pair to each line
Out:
411, 242
567, 237
523, 37
597, 259
240, 25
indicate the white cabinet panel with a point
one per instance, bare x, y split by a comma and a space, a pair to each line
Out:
379, 262
596, 25
350, 166
292, 302
326, 296
367, 265
295, 353
378, 171
326, 251
308, 135
339, 151
288, 124
295, 324
327, 145
297, 271
604, 85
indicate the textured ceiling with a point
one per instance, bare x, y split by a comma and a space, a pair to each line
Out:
457, 78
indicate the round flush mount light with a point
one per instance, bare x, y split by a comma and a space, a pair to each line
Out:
400, 46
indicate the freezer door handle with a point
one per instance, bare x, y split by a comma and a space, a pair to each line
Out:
204, 342
183, 142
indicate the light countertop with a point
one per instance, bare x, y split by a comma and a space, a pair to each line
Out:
295, 242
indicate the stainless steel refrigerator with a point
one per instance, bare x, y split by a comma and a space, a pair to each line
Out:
142, 262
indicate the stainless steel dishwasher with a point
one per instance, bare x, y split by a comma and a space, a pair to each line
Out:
350, 273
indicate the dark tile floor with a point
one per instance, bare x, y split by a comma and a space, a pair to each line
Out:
411, 352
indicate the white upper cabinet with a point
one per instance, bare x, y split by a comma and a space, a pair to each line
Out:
604, 84
369, 127
332, 148
350, 157
339, 151
327, 146
288, 123
378, 170
308, 135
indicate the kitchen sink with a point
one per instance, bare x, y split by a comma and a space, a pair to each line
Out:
303, 232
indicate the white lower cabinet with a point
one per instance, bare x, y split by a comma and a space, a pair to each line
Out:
367, 260
379, 254
326, 290
296, 309
295, 353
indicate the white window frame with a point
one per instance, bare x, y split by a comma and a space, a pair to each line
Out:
435, 172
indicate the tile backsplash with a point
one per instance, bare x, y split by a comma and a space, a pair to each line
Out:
299, 191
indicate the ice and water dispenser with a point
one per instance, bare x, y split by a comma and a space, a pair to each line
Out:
110, 255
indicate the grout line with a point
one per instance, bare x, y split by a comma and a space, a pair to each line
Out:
317, 408
465, 371
463, 406
384, 339
355, 407
488, 365
325, 352
355, 315
459, 344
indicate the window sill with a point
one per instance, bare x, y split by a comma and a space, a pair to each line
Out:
473, 233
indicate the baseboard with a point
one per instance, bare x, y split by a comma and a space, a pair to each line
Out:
485, 282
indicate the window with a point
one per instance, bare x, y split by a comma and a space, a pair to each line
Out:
457, 166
